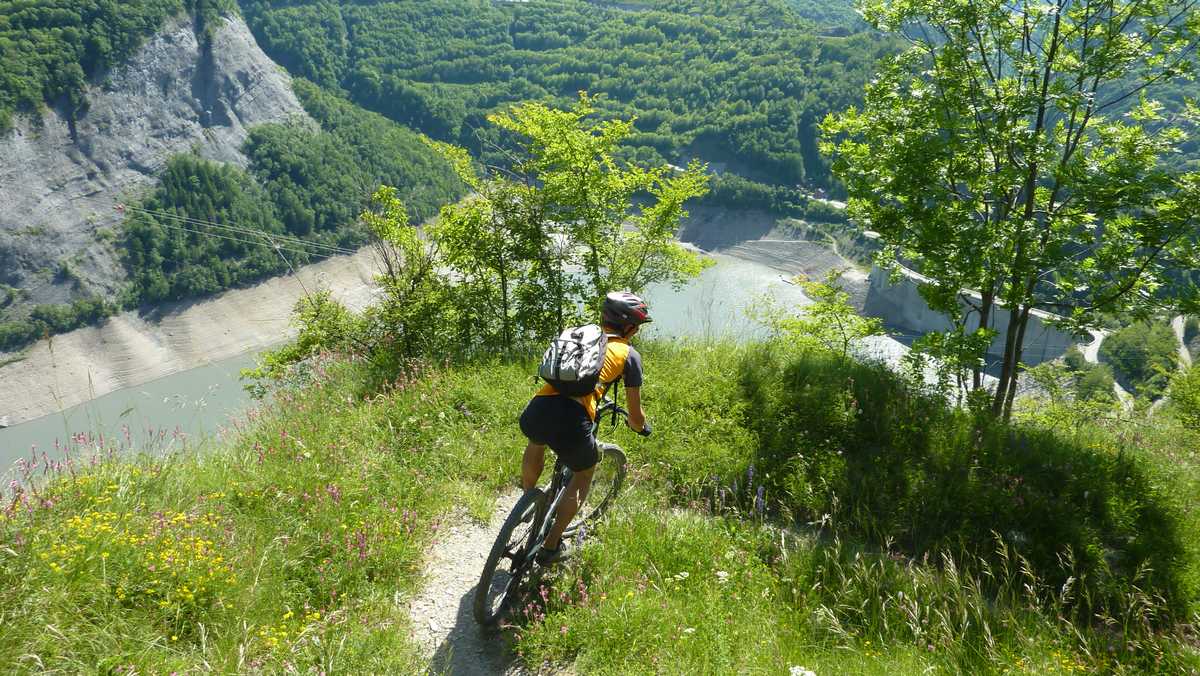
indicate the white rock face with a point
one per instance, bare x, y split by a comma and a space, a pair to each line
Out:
59, 186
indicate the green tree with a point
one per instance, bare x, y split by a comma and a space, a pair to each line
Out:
588, 197
417, 311
1143, 356
830, 322
565, 203
492, 240
988, 154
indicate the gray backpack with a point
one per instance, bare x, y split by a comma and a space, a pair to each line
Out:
573, 361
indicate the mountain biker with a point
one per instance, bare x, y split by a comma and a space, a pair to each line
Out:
564, 423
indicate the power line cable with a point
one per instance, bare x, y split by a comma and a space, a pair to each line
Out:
232, 226
286, 239
234, 239
249, 232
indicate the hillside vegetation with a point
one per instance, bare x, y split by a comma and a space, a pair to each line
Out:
741, 83
303, 189
304, 184
788, 511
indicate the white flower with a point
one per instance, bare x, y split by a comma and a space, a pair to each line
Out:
800, 671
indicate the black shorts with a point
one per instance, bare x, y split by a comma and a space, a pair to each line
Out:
562, 424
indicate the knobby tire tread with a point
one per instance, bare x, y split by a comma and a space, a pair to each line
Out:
511, 523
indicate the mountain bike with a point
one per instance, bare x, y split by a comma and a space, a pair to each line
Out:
512, 558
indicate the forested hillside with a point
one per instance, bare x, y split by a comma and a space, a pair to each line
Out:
250, 159
49, 49
308, 185
740, 84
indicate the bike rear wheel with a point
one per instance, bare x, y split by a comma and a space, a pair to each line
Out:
510, 558
607, 481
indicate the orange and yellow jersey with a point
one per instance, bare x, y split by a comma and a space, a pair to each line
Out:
620, 359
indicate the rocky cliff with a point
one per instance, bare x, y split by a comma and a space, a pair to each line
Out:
60, 182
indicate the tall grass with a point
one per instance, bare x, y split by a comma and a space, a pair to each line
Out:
287, 548
790, 513
887, 461
929, 538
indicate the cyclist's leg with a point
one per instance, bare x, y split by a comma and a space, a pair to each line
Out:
581, 456
532, 464
577, 490
536, 424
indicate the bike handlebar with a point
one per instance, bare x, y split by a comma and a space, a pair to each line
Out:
607, 405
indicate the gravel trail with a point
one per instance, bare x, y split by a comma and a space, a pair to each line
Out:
444, 625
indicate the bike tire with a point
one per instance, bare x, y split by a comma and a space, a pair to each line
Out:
498, 583
606, 484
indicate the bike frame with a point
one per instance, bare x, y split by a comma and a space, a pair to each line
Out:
562, 476
520, 552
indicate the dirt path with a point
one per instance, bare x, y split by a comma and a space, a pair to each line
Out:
442, 617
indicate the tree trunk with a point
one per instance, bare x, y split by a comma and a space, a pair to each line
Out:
504, 307
558, 295
986, 302
1006, 364
1016, 368
1008, 368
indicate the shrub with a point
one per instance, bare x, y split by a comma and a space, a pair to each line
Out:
1092, 381
16, 334
1095, 383
1184, 397
879, 459
1143, 356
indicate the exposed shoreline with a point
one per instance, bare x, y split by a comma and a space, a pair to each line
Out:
131, 349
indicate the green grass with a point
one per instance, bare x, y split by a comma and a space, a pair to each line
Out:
288, 545
931, 539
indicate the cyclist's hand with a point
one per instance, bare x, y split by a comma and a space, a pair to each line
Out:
645, 431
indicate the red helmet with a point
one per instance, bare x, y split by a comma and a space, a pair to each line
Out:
622, 308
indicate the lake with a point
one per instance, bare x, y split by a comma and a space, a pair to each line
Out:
194, 405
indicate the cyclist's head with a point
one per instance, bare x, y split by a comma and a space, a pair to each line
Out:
624, 311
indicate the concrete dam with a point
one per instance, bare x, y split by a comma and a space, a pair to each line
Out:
902, 308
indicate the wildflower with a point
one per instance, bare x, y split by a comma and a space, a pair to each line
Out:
800, 671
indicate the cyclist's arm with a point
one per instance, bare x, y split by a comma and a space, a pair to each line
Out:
637, 418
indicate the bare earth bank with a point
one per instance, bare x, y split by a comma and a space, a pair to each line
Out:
130, 349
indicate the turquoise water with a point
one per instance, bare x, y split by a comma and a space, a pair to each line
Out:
186, 407
193, 405
715, 305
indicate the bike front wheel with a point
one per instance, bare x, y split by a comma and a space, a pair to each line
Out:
607, 481
510, 558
